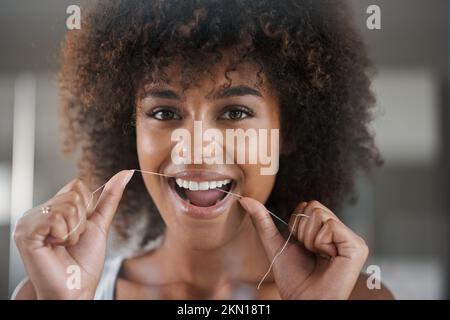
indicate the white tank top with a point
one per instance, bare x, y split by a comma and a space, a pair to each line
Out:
107, 284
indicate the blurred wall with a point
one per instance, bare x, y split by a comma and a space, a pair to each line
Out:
403, 209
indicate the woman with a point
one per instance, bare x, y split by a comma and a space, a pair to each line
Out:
136, 72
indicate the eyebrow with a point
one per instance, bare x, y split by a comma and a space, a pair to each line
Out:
158, 93
237, 91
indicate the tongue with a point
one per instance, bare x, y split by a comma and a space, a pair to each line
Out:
204, 198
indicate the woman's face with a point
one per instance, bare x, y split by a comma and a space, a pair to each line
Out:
193, 208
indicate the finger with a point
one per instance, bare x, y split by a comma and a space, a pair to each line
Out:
316, 204
110, 198
345, 267
313, 224
301, 230
73, 197
336, 239
312, 227
294, 220
69, 212
74, 221
268, 232
55, 224
48, 227
77, 185
84, 192
67, 187
75, 216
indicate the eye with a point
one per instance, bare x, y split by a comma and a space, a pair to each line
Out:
236, 113
164, 114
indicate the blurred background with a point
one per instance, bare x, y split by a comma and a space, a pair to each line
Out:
403, 210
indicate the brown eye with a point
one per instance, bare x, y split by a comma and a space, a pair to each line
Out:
164, 115
236, 114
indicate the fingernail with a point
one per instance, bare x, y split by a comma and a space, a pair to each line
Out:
129, 176
243, 204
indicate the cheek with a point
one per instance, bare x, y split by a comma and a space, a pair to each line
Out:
260, 177
256, 185
153, 152
152, 147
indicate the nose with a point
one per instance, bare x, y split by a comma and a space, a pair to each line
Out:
199, 142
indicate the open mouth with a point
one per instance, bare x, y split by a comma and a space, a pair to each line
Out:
201, 193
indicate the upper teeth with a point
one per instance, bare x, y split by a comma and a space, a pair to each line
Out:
202, 185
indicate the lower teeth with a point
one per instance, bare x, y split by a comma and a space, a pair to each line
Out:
182, 194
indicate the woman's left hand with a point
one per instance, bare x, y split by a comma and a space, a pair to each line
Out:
327, 261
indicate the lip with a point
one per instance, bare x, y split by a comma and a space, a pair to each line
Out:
193, 211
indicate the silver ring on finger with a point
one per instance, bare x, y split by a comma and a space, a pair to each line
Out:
46, 209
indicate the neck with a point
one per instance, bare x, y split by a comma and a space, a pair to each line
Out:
240, 260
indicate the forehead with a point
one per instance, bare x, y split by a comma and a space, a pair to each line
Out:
209, 80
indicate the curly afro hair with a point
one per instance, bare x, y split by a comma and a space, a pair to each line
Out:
308, 51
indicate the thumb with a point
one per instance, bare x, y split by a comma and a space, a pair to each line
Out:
110, 198
268, 232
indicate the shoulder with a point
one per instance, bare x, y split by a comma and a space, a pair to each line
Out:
361, 290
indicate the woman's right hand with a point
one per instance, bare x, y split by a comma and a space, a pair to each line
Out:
51, 257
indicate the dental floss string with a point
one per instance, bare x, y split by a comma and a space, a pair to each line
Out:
281, 250
284, 245
270, 212
99, 188
234, 194
155, 173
